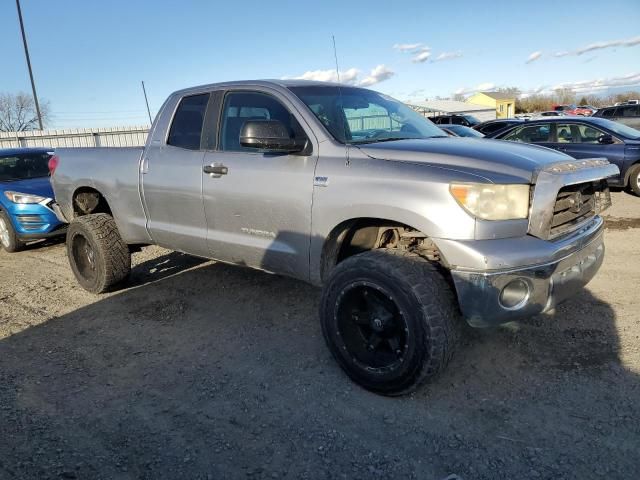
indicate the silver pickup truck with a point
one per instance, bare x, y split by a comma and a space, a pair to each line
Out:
406, 230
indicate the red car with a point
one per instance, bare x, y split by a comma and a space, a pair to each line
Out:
585, 110
566, 109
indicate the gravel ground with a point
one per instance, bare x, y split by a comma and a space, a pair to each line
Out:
201, 370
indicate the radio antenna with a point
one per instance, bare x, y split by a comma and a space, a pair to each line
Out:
335, 55
343, 117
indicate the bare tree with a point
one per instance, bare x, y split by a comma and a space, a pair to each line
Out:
18, 112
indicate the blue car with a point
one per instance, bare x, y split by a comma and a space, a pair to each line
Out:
585, 137
25, 198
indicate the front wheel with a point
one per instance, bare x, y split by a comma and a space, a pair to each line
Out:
634, 179
98, 256
8, 236
390, 319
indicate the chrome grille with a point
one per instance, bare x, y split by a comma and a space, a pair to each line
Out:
576, 204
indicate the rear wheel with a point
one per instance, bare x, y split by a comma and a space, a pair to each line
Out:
634, 179
390, 320
98, 256
8, 236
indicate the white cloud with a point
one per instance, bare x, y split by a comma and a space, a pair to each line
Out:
534, 56
377, 75
422, 55
629, 42
586, 86
447, 56
407, 47
350, 76
478, 88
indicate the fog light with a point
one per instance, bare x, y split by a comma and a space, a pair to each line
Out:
515, 294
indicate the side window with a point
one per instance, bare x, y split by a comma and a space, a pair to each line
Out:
608, 112
588, 134
186, 128
492, 127
627, 111
530, 134
240, 107
564, 133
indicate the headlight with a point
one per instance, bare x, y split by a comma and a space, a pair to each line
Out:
492, 202
17, 197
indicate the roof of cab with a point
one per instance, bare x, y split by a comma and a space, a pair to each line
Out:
286, 83
18, 151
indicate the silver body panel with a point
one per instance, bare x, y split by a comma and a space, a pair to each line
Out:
275, 212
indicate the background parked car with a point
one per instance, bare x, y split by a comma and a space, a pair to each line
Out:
628, 114
25, 198
466, 120
586, 137
585, 110
551, 113
494, 126
460, 130
566, 109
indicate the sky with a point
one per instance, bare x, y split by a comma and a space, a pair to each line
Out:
89, 57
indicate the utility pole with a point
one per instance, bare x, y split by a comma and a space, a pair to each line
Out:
26, 54
144, 90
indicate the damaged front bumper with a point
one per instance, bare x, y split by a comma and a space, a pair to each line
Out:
496, 296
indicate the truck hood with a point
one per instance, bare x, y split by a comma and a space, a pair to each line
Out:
495, 160
36, 186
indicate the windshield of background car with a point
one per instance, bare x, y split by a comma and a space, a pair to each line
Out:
465, 131
619, 129
472, 120
24, 166
356, 115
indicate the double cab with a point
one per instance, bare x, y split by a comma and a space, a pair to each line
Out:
407, 231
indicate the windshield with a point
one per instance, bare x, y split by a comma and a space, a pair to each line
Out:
464, 131
619, 128
356, 115
24, 166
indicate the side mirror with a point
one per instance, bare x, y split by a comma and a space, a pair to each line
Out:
269, 135
605, 139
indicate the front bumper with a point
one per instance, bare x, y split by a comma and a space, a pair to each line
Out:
35, 221
480, 293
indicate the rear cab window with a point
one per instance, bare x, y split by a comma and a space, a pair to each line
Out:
186, 126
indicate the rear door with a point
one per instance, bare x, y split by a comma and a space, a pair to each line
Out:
259, 210
171, 180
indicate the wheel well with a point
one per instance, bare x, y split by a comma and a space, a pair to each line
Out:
362, 234
88, 200
627, 175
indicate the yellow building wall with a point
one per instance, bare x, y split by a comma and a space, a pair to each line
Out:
504, 108
482, 99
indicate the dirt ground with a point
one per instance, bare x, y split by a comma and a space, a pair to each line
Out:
201, 370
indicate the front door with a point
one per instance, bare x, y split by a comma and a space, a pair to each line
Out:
581, 141
258, 205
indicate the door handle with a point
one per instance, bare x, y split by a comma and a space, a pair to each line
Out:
562, 149
215, 170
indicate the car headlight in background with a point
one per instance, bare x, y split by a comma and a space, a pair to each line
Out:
23, 198
492, 202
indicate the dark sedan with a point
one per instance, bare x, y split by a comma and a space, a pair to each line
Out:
586, 137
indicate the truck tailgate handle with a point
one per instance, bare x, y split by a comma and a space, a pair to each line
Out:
215, 170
